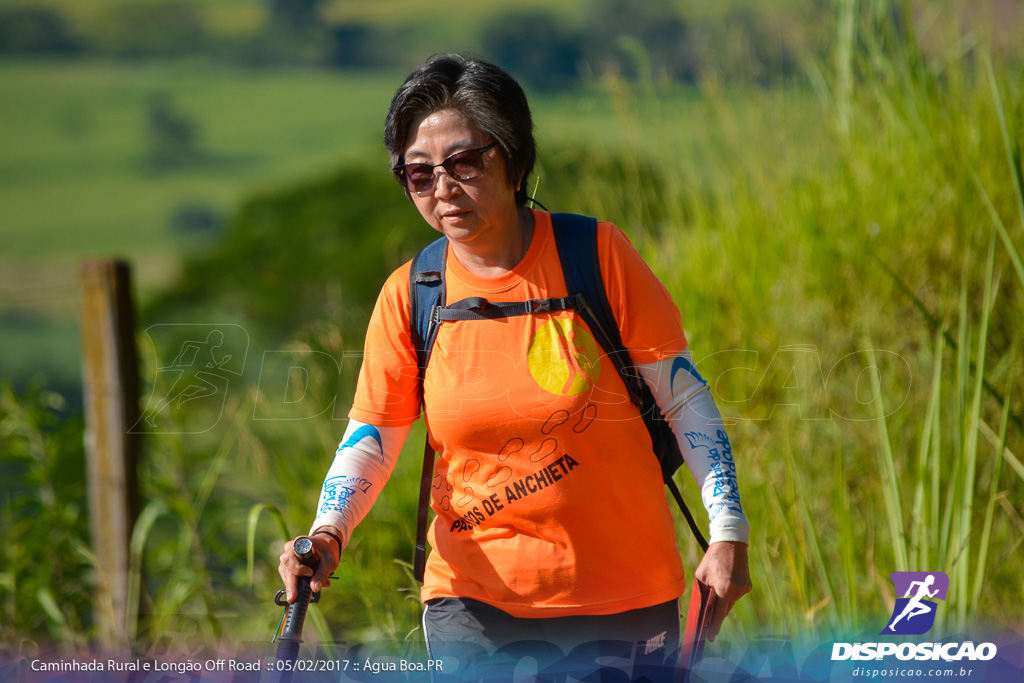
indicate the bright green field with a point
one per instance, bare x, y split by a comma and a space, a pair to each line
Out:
73, 176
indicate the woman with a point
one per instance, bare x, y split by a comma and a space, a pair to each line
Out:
551, 522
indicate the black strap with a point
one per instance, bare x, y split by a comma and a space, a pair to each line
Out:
426, 290
479, 308
327, 532
694, 529
419, 559
426, 293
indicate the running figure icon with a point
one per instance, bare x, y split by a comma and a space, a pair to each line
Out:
189, 393
194, 377
916, 606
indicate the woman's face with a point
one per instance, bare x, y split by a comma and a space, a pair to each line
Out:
469, 211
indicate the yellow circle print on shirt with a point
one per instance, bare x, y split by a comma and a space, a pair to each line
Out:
564, 358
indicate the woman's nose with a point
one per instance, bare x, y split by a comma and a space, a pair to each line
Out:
446, 186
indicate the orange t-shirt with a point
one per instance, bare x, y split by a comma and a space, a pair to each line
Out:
548, 497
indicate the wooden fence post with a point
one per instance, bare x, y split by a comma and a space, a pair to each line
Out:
111, 390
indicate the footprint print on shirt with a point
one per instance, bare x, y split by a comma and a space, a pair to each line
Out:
586, 418
504, 472
468, 470
547, 447
449, 486
559, 417
514, 447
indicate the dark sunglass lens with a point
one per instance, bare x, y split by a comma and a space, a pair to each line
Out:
420, 177
467, 165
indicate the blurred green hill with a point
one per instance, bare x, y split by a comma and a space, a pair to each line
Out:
547, 45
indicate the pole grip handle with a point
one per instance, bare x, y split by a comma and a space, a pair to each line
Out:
295, 613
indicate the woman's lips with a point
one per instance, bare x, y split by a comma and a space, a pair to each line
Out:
454, 216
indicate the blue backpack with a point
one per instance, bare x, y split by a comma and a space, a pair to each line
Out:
576, 240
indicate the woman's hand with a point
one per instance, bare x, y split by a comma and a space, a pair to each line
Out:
724, 568
290, 568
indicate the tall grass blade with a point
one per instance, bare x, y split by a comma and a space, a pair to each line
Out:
789, 546
1004, 235
1007, 142
846, 31
811, 536
323, 631
46, 600
841, 501
140, 533
891, 485
948, 546
921, 538
936, 466
970, 451
762, 577
993, 498
1012, 460
250, 536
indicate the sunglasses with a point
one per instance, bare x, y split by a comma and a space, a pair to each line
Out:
461, 166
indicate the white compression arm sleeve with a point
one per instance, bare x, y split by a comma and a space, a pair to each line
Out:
686, 403
362, 465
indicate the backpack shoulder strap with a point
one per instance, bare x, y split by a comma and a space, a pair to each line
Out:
426, 292
576, 240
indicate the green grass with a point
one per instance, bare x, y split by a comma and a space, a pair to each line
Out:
74, 177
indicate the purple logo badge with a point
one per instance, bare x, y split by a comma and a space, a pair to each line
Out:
916, 592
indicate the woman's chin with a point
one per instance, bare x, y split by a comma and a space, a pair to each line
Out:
458, 230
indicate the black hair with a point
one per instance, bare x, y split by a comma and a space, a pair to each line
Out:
482, 92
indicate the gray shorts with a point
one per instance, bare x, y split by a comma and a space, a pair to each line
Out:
478, 642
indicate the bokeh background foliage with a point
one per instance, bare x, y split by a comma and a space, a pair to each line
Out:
831, 191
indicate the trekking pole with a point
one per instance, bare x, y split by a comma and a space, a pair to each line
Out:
290, 632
